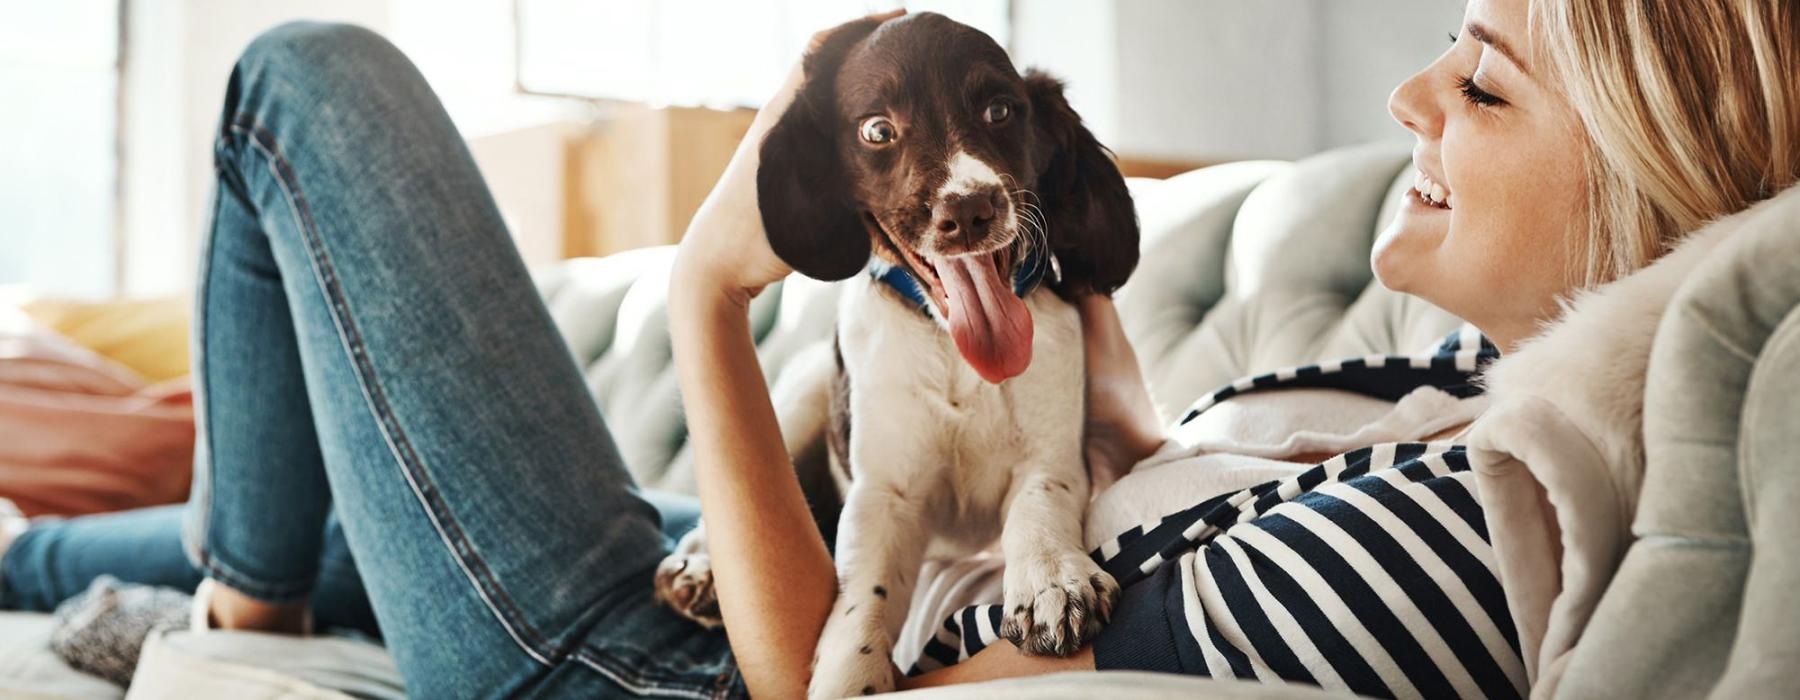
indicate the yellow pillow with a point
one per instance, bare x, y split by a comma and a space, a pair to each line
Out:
149, 336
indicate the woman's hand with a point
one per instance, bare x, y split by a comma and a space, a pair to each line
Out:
772, 573
725, 250
1122, 425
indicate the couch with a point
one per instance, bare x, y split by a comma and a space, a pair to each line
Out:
1254, 265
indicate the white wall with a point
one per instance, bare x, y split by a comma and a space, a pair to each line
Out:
1370, 46
1219, 79
58, 91
1211, 80
157, 168
1075, 41
180, 54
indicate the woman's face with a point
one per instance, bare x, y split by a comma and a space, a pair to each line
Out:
1491, 229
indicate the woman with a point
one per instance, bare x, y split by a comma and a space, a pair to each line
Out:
369, 346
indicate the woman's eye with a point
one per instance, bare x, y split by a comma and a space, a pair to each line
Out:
878, 130
1477, 96
997, 112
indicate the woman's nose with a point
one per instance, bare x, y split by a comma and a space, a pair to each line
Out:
1412, 105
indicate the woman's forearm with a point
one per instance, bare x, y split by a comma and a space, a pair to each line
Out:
772, 572
999, 661
1122, 424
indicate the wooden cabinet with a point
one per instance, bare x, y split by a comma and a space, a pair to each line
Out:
635, 177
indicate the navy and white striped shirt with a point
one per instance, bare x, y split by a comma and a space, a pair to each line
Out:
1371, 572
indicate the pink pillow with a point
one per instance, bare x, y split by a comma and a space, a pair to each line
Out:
80, 434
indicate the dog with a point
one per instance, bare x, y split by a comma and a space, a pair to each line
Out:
967, 205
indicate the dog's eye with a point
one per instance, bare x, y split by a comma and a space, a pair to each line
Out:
878, 130
997, 112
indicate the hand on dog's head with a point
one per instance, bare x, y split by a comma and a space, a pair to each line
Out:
909, 137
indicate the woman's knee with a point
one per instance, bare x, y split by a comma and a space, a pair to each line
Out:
306, 43
323, 57
318, 78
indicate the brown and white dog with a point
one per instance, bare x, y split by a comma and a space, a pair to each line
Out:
957, 413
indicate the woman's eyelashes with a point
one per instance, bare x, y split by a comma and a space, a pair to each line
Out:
1477, 96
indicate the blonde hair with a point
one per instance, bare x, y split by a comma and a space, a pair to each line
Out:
1691, 109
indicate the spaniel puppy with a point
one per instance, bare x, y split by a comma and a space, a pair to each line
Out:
967, 205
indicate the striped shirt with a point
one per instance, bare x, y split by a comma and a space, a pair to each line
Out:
1371, 572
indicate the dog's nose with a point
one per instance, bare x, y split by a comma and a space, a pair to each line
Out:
965, 215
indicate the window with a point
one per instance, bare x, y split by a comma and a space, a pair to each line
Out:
59, 73
712, 53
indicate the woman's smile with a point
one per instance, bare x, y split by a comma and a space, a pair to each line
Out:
1429, 192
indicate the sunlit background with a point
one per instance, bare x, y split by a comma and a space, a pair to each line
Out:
600, 123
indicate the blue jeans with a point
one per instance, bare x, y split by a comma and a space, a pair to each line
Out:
56, 559
368, 344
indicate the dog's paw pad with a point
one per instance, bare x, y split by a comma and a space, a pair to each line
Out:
1060, 607
684, 583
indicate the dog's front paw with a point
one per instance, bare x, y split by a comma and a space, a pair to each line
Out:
1056, 604
684, 583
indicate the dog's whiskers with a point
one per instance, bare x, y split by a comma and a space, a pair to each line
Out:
1033, 225
1016, 191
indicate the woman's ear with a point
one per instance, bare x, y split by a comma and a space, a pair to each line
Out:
1093, 224
802, 185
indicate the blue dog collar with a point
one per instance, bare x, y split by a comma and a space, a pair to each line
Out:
1027, 277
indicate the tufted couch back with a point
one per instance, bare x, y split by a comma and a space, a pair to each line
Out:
1246, 267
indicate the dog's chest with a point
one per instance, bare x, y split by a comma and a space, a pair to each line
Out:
917, 407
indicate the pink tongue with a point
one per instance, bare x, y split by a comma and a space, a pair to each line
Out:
991, 326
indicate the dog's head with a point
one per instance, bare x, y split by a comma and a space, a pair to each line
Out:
917, 141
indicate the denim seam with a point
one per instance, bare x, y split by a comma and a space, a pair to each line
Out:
653, 687
449, 532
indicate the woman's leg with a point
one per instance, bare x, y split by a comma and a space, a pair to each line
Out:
501, 541
56, 559
51, 561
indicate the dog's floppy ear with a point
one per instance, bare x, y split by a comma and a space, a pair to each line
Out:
802, 185
1093, 225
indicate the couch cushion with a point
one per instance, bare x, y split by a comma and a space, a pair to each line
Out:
28, 669
1248, 267
179, 664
